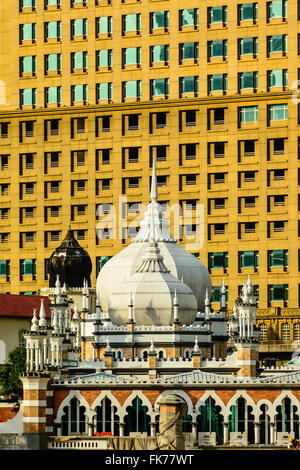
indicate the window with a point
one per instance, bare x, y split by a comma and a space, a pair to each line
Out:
247, 46
27, 4
79, 92
217, 15
52, 2
81, 185
104, 58
219, 149
159, 86
218, 260
188, 50
104, 91
28, 97
217, 49
133, 154
131, 56
188, 17
217, 82
53, 30
131, 23
277, 43
133, 182
132, 89
250, 227
278, 112
28, 32
4, 267
79, 27
216, 293
278, 146
159, 54
248, 80
278, 292
29, 161
28, 64
79, 60
133, 122
247, 11
277, 9
249, 259
4, 130
104, 25
54, 159
189, 85
54, 186
248, 114
52, 63
159, 20
53, 95
277, 78
27, 267
278, 258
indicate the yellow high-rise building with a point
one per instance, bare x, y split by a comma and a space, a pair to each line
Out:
92, 90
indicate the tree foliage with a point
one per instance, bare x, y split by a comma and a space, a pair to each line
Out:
10, 383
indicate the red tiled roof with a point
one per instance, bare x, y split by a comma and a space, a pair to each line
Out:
21, 306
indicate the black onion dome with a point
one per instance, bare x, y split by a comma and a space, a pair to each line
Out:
71, 262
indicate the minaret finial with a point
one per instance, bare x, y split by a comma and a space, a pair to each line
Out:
153, 193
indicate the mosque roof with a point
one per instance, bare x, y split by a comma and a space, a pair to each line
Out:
21, 306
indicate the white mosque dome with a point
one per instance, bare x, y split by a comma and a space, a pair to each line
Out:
182, 265
154, 290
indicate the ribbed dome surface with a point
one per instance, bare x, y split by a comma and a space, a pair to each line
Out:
70, 262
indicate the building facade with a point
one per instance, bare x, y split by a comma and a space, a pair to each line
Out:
92, 91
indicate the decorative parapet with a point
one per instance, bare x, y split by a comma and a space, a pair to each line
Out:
194, 377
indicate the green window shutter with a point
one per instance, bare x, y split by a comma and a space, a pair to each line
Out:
132, 89
28, 31
53, 94
80, 92
160, 86
158, 20
103, 58
3, 264
132, 22
29, 64
160, 53
189, 84
278, 43
104, 91
190, 17
29, 96
218, 260
53, 62
53, 29
247, 46
28, 266
217, 82
217, 49
216, 15
132, 55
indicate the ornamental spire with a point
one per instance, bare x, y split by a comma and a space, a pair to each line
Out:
153, 193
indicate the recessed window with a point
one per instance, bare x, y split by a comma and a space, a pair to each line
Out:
79, 28
217, 15
159, 20
104, 25
248, 46
131, 22
278, 43
188, 17
248, 12
159, 54
104, 58
104, 91
217, 49
248, 114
